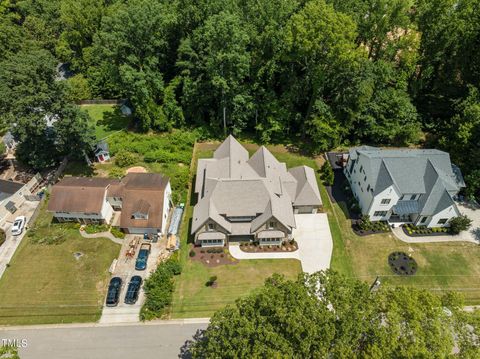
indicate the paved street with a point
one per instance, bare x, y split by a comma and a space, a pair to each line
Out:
153, 340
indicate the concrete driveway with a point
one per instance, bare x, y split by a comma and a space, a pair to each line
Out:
472, 211
314, 240
315, 244
125, 269
8, 249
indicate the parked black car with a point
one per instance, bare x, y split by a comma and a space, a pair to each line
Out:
133, 289
114, 289
142, 258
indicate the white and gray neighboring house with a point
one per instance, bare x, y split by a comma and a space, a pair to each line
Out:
404, 185
242, 198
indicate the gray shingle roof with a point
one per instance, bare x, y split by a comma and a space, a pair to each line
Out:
412, 171
233, 185
307, 188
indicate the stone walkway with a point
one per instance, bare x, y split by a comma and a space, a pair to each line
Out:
102, 235
471, 210
398, 232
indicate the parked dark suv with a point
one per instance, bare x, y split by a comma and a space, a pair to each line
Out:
133, 289
114, 289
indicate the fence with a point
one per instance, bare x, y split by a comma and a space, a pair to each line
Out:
101, 102
35, 214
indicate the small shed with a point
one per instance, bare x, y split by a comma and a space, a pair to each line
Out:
125, 110
102, 153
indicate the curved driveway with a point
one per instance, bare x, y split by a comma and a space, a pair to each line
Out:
315, 244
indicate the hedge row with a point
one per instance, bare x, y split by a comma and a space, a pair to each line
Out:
159, 290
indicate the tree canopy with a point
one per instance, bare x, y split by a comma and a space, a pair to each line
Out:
314, 73
328, 315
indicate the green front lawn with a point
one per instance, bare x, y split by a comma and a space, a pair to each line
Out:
441, 266
107, 119
46, 284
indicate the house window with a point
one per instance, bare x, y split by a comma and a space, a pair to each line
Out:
272, 224
402, 197
442, 220
385, 201
380, 213
423, 220
211, 227
365, 178
368, 188
361, 168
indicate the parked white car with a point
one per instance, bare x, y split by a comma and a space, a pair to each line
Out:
18, 225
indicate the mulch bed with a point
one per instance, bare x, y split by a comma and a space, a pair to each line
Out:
362, 233
212, 259
402, 264
433, 234
251, 248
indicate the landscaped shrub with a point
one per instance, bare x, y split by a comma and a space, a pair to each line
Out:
460, 223
117, 233
159, 290
211, 281
116, 172
124, 158
192, 253
364, 223
96, 228
326, 174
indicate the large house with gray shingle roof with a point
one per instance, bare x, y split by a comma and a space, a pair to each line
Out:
405, 185
242, 198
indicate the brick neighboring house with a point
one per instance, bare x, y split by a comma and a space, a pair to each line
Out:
247, 199
404, 185
144, 200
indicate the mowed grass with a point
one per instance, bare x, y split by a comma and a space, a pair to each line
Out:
192, 298
46, 284
441, 266
107, 119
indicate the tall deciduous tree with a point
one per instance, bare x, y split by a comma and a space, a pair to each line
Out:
215, 66
80, 20
32, 103
327, 315
131, 50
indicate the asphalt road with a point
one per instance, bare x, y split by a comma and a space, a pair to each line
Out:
157, 341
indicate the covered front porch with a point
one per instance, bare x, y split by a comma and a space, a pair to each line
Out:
404, 212
271, 237
211, 239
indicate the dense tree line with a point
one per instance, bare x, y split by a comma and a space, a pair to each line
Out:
326, 315
321, 73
